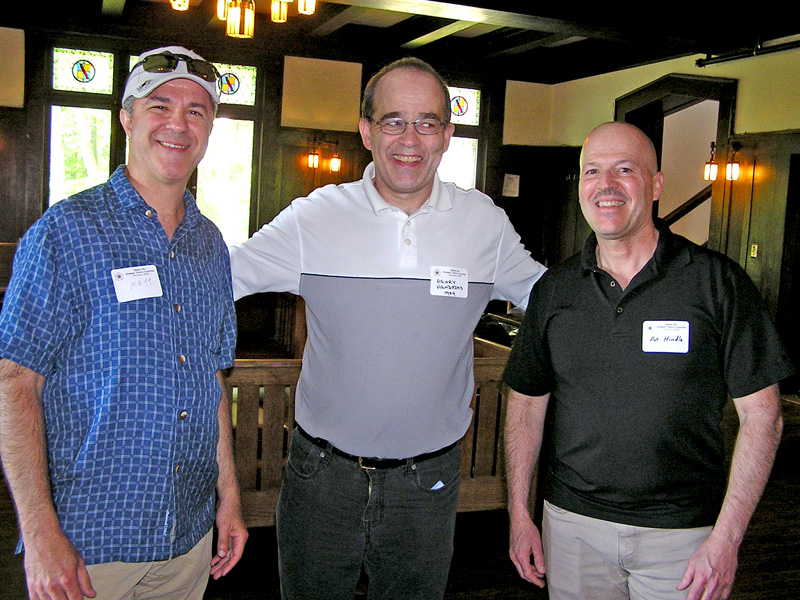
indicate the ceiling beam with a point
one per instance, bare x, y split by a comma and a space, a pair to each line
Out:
440, 33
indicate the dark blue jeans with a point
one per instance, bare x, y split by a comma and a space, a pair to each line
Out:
333, 516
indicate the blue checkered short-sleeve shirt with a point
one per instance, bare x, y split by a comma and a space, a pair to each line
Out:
131, 393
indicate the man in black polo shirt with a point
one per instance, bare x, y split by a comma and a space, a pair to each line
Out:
631, 349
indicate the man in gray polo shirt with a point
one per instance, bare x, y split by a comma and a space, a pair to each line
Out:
396, 270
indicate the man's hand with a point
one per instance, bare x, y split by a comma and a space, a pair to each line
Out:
232, 535
54, 570
711, 570
525, 542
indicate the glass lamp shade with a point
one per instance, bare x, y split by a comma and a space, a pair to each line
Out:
313, 160
179, 4
279, 12
241, 18
710, 171
306, 7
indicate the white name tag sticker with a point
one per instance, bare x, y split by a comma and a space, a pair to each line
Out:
135, 283
665, 336
449, 281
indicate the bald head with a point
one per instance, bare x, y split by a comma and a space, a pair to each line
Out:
616, 137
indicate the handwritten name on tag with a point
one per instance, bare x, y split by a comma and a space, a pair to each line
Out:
665, 336
135, 283
449, 281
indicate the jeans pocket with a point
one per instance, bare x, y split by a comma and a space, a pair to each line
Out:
438, 474
305, 459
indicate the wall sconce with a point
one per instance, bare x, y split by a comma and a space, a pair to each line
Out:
732, 168
222, 10
313, 159
279, 12
711, 168
179, 4
241, 18
306, 7
336, 163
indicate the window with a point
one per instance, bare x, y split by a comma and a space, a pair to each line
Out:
460, 163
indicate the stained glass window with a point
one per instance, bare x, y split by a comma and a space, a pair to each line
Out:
465, 106
83, 71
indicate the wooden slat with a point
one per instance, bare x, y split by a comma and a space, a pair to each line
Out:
246, 447
486, 436
272, 436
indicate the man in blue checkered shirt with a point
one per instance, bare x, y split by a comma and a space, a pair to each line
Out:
115, 430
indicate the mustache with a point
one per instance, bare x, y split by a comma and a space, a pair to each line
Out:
610, 192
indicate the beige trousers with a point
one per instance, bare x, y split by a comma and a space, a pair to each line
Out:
181, 578
590, 558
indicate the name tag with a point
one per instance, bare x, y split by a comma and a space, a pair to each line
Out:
448, 281
665, 336
135, 283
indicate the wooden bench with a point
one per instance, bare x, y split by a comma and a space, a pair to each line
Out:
263, 394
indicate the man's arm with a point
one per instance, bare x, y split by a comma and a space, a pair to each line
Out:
53, 567
523, 437
712, 568
232, 533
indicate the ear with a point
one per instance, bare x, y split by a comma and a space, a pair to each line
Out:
658, 185
365, 129
125, 119
448, 133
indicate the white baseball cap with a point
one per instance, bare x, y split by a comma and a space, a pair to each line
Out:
177, 63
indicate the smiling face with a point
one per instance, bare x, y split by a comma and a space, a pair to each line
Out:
619, 181
168, 132
405, 164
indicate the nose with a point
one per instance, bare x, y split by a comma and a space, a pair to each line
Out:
177, 121
410, 135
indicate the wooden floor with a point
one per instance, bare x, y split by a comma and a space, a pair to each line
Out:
769, 559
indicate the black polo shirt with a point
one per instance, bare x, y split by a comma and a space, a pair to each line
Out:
639, 378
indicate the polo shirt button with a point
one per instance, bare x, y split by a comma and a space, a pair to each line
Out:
181, 359
408, 223
183, 414
620, 310
613, 284
148, 213
408, 242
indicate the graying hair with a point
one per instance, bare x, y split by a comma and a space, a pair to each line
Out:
413, 64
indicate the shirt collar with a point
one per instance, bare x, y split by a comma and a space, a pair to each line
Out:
671, 250
129, 199
440, 199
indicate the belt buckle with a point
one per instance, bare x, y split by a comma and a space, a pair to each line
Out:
363, 466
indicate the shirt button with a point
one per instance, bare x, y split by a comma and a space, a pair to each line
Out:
620, 310
177, 308
408, 223
177, 468
613, 284
172, 254
148, 213
181, 359
183, 414
408, 242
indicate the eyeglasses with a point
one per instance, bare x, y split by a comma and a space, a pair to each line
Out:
167, 62
394, 126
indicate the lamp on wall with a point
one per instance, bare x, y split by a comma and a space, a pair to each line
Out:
336, 163
313, 159
732, 168
179, 4
711, 168
241, 18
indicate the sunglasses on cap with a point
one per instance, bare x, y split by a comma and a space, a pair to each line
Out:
167, 62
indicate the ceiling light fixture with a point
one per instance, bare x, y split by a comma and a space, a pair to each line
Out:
306, 7
241, 18
279, 12
222, 10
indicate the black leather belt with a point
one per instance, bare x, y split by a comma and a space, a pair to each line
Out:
373, 463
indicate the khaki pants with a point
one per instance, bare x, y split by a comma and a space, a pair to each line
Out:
181, 578
591, 558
